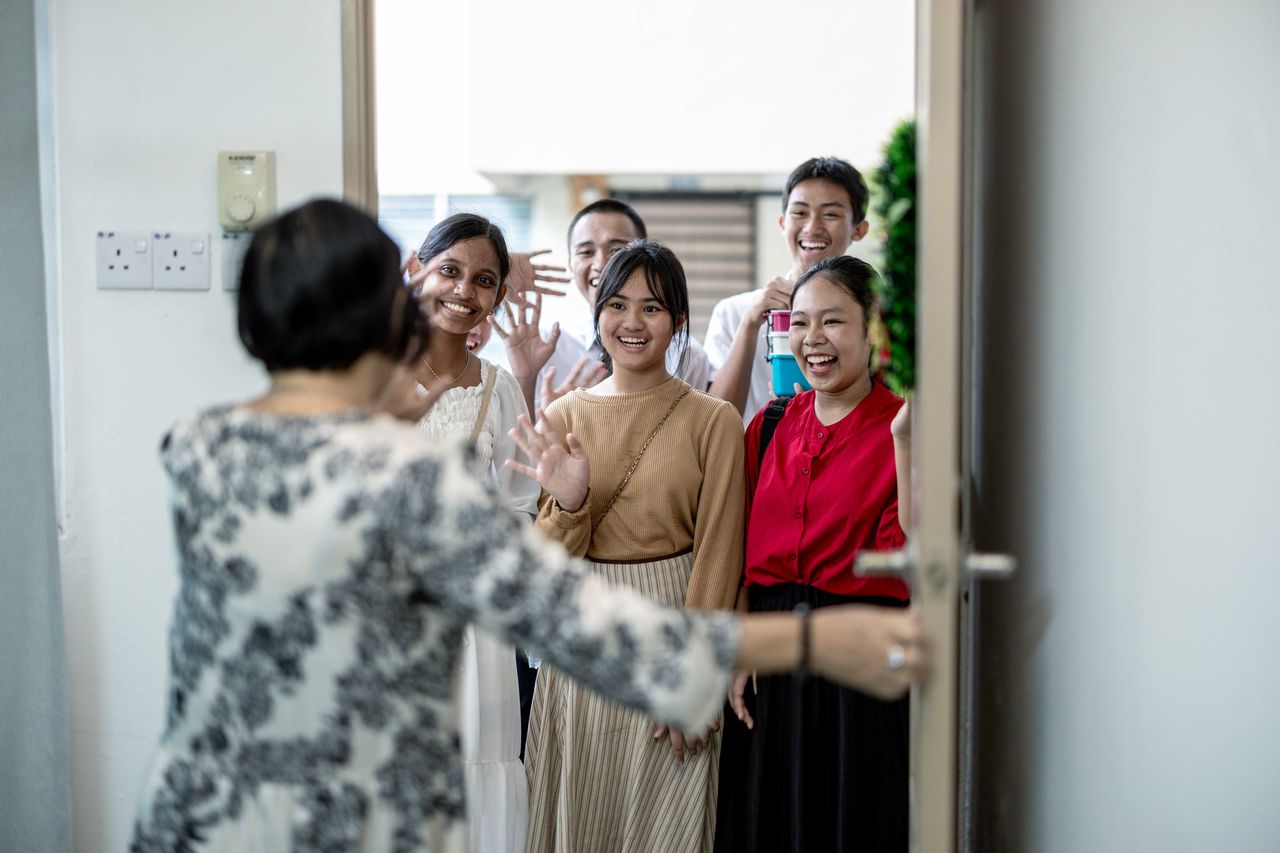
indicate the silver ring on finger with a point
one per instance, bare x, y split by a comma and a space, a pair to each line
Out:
896, 658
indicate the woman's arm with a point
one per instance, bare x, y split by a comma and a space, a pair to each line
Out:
851, 645
718, 527
733, 377
718, 533
732, 381
458, 543
901, 429
738, 687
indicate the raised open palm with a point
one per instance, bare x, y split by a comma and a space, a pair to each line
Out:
525, 274
527, 350
560, 466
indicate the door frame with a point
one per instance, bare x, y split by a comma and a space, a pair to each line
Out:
941, 74
359, 107
942, 70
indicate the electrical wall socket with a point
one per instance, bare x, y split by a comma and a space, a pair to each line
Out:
180, 260
233, 245
124, 260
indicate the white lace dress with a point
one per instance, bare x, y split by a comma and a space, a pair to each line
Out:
497, 791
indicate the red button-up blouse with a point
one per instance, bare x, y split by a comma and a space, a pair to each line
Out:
822, 494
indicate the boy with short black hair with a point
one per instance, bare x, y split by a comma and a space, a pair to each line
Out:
824, 211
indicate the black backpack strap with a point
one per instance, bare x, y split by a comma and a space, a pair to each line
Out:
772, 415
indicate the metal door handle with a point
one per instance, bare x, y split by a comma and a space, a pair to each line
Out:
905, 565
989, 566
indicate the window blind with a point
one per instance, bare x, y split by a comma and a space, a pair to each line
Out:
713, 235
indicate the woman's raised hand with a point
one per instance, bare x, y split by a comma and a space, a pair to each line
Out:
879, 650
525, 275
414, 274
559, 466
527, 351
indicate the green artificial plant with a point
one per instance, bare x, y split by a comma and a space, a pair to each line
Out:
895, 205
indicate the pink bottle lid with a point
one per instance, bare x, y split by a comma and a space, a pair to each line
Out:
779, 321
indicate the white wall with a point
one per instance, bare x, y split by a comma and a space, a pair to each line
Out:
642, 87
145, 94
663, 86
1127, 219
425, 109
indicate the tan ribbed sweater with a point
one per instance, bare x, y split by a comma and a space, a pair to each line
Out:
686, 492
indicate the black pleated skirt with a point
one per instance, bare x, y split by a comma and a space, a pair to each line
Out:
824, 769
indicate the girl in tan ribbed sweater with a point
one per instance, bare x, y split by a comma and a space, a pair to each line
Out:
647, 485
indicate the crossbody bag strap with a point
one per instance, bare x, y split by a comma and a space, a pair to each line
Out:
769, 423
626, 479
484, 403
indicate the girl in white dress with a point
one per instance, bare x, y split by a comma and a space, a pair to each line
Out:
465, 262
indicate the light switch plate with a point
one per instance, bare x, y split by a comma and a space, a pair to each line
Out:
233, 245
180, 260
124, 260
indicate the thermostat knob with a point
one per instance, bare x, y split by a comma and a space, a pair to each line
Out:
241, 208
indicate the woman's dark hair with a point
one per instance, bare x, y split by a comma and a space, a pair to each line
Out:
466, 226
854, 275
321, 286
662, 273
608, 205
835, 171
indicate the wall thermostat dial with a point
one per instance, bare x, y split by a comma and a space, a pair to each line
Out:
246, 189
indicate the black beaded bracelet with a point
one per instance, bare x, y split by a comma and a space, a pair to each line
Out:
802, 610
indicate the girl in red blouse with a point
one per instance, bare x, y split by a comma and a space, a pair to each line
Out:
808, 765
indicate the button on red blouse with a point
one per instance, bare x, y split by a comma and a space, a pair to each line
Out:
823, 493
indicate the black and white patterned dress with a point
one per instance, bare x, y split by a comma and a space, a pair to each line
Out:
328, 566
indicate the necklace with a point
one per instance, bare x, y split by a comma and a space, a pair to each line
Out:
451, 379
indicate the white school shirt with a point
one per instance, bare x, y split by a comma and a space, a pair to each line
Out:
725, 319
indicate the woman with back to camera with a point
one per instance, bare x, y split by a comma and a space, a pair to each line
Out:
330, 557
823, 488
658, 508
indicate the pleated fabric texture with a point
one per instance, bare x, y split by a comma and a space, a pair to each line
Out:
598, 779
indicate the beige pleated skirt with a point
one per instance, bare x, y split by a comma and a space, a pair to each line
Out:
598, 781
